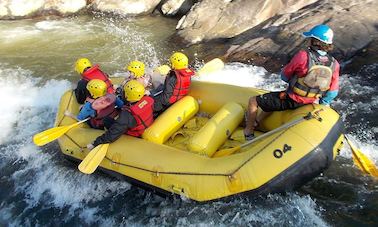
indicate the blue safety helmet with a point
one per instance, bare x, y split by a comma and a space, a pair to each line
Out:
320, 32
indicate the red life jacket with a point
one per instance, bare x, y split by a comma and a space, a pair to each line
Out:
142, 111
104, 106
95, 73
183, 81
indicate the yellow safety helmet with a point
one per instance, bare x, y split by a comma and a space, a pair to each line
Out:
81, 64
134, 91
97, 88
136, 67
179, 61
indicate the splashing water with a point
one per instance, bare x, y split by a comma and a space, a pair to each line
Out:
38, 187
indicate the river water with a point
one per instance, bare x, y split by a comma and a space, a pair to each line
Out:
39, 187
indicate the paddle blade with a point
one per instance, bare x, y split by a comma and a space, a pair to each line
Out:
362, 161
163, 69
212, 66
225, 152
93, 159
50, 135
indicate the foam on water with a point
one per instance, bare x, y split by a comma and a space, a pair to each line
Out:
40, 176
275, 210
43, 181
9, 36
243, 75
40, 188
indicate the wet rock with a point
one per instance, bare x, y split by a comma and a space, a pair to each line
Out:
176, 7
18, 9
279, 38
212, 19
125, 7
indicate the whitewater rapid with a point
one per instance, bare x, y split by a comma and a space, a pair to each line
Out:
39, 187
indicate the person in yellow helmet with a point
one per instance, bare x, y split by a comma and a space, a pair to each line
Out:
100, 106
136, 71
135, 117
176, 84
88, 72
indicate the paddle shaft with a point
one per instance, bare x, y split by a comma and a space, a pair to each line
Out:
282, 127
79, 122
229, 151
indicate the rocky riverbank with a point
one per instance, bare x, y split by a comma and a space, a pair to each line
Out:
262, 32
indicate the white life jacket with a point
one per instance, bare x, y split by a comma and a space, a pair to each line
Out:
318, 79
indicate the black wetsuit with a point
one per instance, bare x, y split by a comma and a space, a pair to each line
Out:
116, 128
81, 91
162, 100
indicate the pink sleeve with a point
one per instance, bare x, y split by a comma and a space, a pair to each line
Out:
297, 65
334, 86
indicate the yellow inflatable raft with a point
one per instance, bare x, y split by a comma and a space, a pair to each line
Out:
197, 149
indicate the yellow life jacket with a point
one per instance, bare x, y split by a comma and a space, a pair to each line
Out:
318, 78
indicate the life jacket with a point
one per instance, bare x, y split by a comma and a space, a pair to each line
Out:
318, 79
95, 73
104, 106
142, 111
183, 81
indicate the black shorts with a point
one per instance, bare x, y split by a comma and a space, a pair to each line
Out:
271, 102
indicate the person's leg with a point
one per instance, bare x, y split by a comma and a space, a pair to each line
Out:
262, 116
251, 116
268, 102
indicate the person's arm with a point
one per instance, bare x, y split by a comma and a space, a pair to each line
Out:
120, 126
86, 111
81, 91
169, 85
297, 64
334, 87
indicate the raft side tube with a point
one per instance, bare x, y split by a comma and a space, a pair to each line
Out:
171, 120
216, 131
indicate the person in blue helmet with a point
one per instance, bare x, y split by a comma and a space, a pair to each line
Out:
312, 76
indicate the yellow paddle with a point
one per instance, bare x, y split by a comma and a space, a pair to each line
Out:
362, 161
163, 69
212, 66
52, 134
93, 159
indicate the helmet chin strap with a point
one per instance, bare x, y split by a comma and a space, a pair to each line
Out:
320, 52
